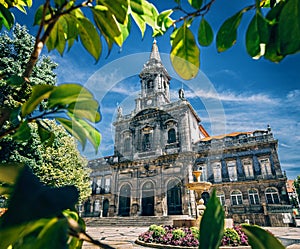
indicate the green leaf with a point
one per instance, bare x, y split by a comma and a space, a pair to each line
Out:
72, 31
289, 27
31, 200
23, 133
39, 15
185, 53
59, 2
66, 94
150, 13
39, 93
118, 8
205, 33
87, 109
261, 239
143, 13
163, 22
14, 234
173, 35
57, 38
6, 18
53, 235
195, 3
227, 34
75, 129
9, 172
125, 29
89, 37
136, 13
257, 36
212, 224
45, 134
253, 38
108, 26
273, 45
91, 133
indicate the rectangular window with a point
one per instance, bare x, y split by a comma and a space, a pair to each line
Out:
254, 200
265, 166
269, 199
222, 199
276, 199
217, 172
107, 185
232, 172
236, 200
248, 168
98, 186
146, 142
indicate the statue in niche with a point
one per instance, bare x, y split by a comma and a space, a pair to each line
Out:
181, 94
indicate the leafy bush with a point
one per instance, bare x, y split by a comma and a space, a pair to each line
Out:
234, 237
157, 230
195, 232
178, 233
173, 236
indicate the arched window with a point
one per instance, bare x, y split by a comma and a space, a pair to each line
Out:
171, 136
236, 197
221, 197
272, 196
253, 197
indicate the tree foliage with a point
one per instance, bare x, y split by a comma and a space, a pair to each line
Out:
16, 48
57, 163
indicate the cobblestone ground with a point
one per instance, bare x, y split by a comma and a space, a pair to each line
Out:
124, 237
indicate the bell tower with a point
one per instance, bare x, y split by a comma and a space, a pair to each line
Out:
155, 83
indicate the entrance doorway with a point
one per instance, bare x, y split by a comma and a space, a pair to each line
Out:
174, 198
124, 200
148, 199
105, 207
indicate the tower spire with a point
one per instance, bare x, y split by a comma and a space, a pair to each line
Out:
154, 52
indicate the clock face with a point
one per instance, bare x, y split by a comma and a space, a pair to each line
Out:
149, 102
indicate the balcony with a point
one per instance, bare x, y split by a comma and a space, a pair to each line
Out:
243, 209
277, 208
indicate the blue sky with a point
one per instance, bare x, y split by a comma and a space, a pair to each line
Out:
232, 92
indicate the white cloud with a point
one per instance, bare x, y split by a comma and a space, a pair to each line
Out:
294, 94
227, 96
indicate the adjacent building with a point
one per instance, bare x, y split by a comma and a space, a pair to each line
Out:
161, 142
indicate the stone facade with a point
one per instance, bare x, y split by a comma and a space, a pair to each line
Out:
160, 143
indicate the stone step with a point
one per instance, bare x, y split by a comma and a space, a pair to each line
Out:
138, 221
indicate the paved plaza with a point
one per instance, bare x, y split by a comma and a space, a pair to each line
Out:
124, 237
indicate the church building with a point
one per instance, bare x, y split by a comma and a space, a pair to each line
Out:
161, 142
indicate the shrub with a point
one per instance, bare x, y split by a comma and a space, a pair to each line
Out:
178, 233
172, 236
195, 231
157, 230
234, 237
